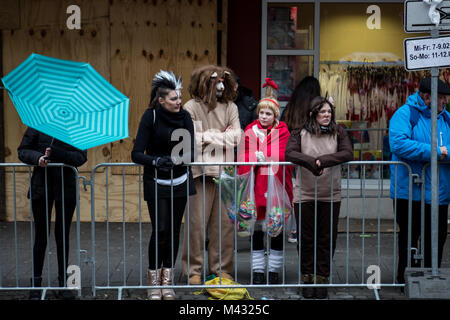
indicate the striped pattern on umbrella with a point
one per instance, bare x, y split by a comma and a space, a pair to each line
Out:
68, 100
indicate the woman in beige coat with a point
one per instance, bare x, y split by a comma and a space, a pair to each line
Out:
319, 147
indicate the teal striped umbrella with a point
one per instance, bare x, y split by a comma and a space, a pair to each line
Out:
68, 100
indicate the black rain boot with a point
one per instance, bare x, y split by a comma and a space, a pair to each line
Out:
274, 278
35, 294
259, 278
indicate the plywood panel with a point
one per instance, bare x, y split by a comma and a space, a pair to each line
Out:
9, 14
90, 44
147, 36
127, 42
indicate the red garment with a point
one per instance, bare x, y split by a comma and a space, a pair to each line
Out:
273, 146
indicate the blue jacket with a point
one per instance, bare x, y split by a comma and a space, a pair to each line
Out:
413, 146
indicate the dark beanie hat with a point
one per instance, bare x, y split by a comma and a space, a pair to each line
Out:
425, 86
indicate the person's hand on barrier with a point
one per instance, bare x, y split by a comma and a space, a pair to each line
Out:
45, 159
444, 152
165, 163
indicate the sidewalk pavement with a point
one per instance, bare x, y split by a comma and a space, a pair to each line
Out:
124, 263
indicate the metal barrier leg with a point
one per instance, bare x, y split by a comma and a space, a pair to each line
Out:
375, 291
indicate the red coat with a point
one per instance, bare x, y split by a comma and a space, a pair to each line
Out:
273, 146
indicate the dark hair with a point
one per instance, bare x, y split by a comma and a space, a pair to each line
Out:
311, 124
297, 107
162, 84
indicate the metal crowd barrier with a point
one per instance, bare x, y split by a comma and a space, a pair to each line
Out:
17, 237
119, 247
124, 258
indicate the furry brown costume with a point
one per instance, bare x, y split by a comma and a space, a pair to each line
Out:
217, 129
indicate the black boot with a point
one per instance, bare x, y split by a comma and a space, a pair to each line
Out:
308, 292
321, 292
35, 294
258, 278
64, 294
273, 278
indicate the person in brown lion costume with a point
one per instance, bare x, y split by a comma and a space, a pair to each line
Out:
217, 133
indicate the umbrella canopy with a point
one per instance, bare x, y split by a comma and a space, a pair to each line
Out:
68, 100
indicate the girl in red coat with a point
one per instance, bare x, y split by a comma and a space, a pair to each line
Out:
265, 140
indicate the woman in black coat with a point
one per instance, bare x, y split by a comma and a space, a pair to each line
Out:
167, 182
47, 188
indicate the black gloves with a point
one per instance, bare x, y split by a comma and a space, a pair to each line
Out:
163, 162
166, 163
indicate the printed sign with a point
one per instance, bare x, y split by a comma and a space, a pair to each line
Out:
427, 53
417, 19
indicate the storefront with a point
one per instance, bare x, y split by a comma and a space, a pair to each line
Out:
354, 48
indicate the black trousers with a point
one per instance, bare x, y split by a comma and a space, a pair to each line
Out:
42, 230
160, 246
324, 224
402, 221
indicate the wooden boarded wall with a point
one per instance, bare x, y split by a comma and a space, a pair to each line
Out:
127, 42
154, 35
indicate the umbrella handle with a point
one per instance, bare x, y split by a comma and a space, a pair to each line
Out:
51, 143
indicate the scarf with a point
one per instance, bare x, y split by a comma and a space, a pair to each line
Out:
323, 129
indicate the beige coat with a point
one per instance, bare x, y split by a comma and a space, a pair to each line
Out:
213, 143
304, 149
316, 146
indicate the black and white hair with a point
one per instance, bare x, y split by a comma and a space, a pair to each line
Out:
162, 84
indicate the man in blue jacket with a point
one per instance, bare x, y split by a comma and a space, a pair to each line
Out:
410, 142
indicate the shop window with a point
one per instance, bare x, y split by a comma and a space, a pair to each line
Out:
287, 71
359, 63
361, 67
290, 26
288, 47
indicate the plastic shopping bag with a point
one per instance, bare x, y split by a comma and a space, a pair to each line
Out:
239, 190
279, 207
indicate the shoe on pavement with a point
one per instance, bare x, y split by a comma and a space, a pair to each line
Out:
258, 278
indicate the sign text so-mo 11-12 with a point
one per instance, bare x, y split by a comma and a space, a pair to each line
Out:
427, 53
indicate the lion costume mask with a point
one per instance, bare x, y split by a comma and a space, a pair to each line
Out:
204, 81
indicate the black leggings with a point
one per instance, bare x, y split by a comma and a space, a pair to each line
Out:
259, 238
162, 254
40, 229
